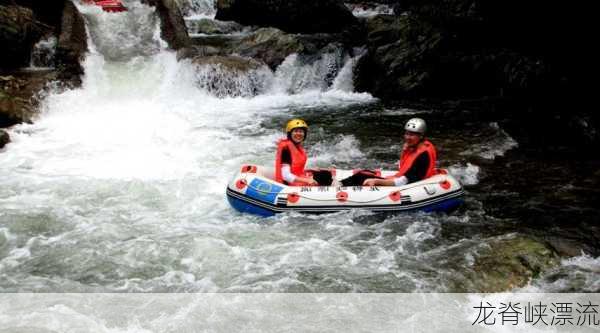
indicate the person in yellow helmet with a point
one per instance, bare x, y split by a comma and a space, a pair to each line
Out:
290, 158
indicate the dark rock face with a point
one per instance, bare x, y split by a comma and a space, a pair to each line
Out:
509, 57
173, 29
289, 15
19, 93
4, 139
19, 30
72, 45
48, 12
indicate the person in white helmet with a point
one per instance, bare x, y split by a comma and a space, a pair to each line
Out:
417, 159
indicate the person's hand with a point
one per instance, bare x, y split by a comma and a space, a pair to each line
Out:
370, 182
309, 180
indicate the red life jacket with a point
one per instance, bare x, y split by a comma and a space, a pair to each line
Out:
298, 156
408, 157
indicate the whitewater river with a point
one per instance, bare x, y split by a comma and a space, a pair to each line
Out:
119, 185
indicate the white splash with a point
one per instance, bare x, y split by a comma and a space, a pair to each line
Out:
466, 175
365, 10
42, 56
496, 144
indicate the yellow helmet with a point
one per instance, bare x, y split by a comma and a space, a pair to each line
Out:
295, 123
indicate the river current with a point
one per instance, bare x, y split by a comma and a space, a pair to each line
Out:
119, 185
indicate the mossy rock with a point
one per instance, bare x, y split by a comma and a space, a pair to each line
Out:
511, 262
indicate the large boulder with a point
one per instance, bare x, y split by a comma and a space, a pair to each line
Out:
173, 28
72, 44
19, 30
269, 45
508, 263
298, 16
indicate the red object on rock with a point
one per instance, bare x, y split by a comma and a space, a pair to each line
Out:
108, 5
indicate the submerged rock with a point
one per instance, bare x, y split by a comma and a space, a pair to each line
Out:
509, 263
297, 16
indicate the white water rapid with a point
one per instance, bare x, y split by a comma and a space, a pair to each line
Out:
119, 184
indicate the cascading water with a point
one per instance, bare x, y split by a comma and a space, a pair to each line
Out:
125, 176
42, 56
195, 9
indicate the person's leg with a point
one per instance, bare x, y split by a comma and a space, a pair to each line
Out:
323, 177
358, 178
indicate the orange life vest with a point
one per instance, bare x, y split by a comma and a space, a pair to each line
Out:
298, 156
408, 157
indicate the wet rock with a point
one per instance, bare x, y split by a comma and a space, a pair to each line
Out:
48, 11
19, 30
72, 45
197, 51
269, 45
232, 63
173, 28
4, 139
510, 263
208, 26
400, 61
19, 95
296, 16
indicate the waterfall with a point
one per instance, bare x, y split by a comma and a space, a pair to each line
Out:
43, 53
196, 9
126, 174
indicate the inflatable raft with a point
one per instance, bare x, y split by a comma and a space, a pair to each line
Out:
253, 190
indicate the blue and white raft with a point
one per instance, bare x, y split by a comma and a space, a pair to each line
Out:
253, 190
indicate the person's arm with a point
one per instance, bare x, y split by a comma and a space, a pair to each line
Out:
415, 173
286, 172
379, 182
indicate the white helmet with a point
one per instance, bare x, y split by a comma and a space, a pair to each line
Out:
416, 125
